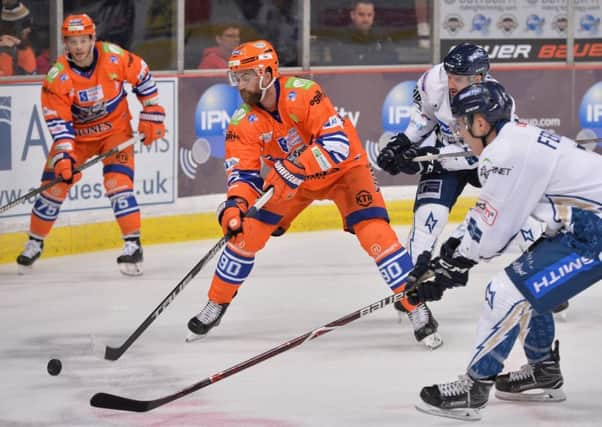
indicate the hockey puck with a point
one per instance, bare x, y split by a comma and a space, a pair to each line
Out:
54, 367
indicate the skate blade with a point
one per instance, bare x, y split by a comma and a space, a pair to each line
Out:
464, 414
433, 341
130, 269
23, 270
535, 395
192, 337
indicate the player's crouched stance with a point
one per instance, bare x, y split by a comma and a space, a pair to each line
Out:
545, 172
86, 111
312, 153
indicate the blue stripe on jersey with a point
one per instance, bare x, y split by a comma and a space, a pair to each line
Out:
364, 214
46, 209
233, 268
146, 86
249, 177
125, 170
267, 217
395, 268
60, 129
336, 145
124, 203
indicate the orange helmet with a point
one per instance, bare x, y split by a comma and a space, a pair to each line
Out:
257, 55
78, 25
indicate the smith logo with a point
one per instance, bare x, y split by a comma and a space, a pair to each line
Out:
558, 273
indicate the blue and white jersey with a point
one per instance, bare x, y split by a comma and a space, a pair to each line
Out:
431, 112
527, 171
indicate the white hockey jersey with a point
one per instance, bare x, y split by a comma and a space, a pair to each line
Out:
432, 112
528, 171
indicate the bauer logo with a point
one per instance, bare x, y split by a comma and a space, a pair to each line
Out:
213, 112
397, 108
590, 111
5, 133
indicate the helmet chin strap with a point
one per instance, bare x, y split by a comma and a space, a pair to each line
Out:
483, 138
264, 90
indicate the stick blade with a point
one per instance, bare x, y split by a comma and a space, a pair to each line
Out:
111, 401
112, 353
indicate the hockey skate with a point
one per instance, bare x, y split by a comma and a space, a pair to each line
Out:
460, 399
33, 250
538, 382
209, 317
130, 261
424, 324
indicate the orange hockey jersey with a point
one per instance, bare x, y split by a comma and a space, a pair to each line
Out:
305, 126
86, 106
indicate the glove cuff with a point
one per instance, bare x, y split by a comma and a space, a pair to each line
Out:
61, 156
234, 202
153, 113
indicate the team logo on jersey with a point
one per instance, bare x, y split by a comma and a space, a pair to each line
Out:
292, 95
92, 94
590, 111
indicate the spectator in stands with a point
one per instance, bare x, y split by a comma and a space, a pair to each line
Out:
227, 37
16, 54
362, 44
277, 21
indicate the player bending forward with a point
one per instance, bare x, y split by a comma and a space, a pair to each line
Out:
312, 154
86, 110
524, 171
441, 182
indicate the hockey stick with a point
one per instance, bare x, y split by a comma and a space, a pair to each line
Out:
114, 353
119, 403
429, 157
58, 179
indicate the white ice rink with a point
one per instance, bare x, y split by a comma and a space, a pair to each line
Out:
367, 373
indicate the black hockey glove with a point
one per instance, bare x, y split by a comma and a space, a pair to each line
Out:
398, 156
421, 287
411, 167
451, 271
389, 157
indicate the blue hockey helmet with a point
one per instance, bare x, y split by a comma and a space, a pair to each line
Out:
466, 59
487, 98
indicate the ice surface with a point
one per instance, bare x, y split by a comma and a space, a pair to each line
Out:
367, 373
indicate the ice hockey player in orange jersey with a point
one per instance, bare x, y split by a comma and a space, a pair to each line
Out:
86, 111
312, 153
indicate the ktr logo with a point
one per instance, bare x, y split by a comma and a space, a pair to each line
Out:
5, 133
